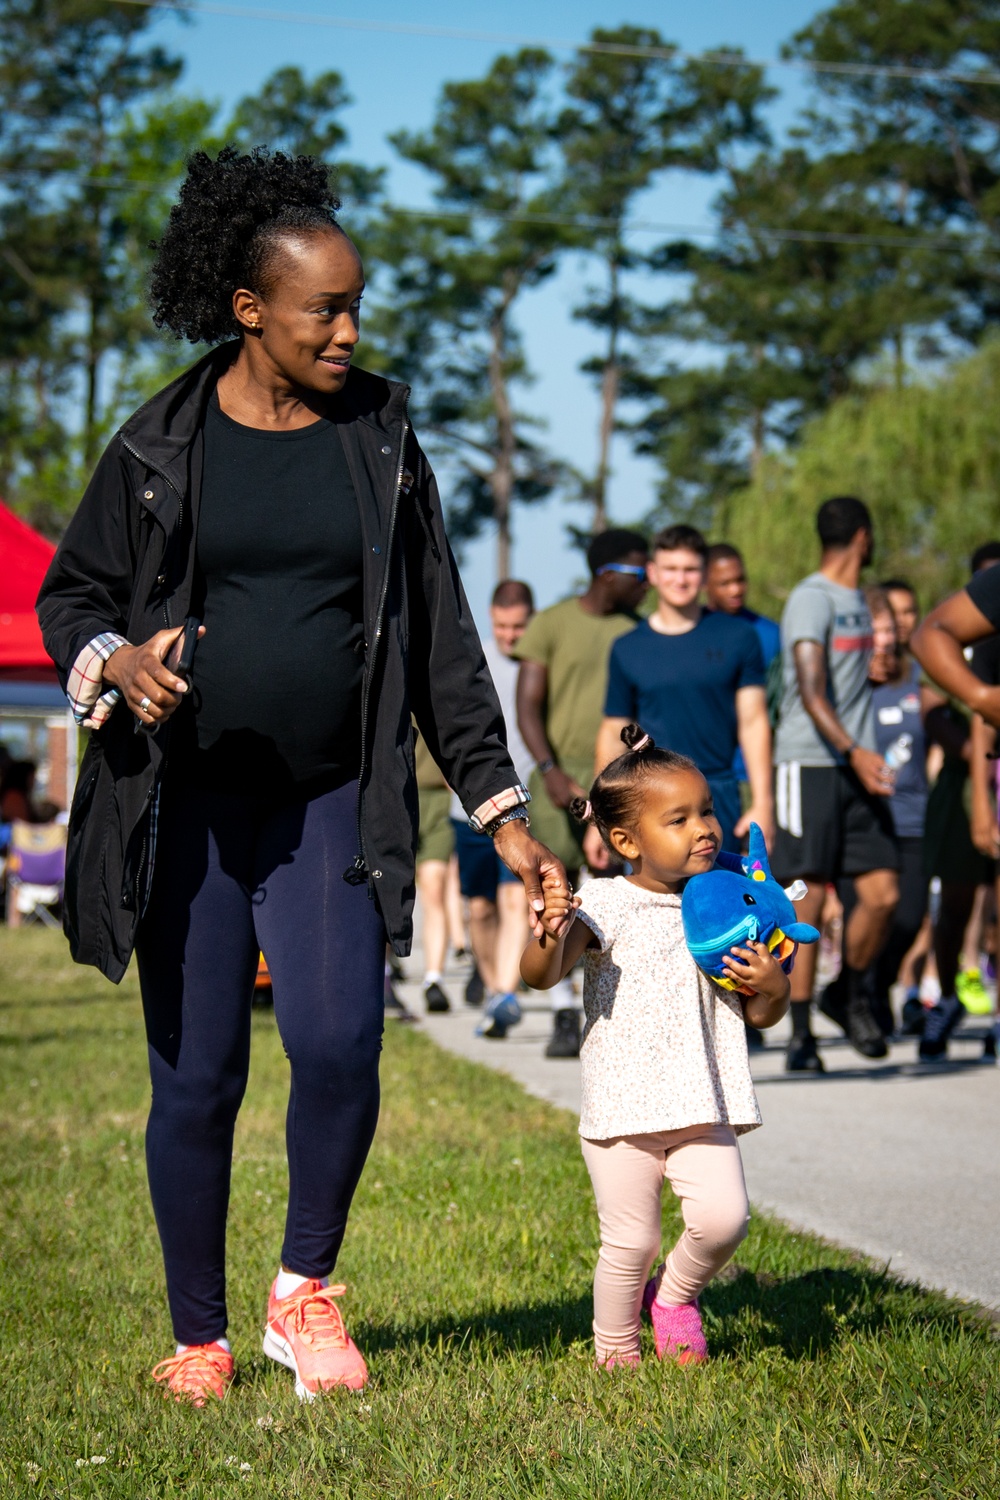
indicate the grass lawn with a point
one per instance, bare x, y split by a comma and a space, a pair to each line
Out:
468, 1265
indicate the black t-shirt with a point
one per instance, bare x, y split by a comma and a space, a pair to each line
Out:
985, 660
984, 591
983, 588
277, 675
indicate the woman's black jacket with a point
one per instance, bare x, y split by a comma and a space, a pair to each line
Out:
126, 564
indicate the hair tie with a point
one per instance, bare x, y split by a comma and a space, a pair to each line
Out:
588, 812
640, 745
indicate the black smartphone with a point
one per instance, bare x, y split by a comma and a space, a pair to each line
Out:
180, 659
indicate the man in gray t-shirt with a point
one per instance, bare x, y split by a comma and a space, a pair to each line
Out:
837, 617
831, 784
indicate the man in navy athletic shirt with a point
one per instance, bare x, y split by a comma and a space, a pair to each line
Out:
694, 679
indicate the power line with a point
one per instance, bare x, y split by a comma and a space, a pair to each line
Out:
697, 231
635, 226
565, 44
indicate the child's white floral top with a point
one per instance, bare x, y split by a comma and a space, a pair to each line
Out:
664, 1046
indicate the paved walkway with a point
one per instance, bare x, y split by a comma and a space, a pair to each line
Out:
898, 1159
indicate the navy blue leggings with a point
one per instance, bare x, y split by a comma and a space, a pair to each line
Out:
233, 875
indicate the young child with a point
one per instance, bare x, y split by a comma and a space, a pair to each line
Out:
666, 1082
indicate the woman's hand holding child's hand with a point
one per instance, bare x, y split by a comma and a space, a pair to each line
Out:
552, 953
560, 905
755, 967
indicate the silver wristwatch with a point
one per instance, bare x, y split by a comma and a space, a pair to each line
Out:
516, 815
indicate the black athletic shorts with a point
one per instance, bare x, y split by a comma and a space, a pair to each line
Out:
828, 825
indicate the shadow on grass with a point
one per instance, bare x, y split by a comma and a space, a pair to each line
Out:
805, 1316
14, 1041
43, 1001
545, 1326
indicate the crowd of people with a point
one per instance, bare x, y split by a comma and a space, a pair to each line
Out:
871, 786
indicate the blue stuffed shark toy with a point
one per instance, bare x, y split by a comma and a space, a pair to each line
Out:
736, 902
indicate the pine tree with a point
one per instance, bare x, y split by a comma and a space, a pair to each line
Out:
885, 199
450, 284
634, 115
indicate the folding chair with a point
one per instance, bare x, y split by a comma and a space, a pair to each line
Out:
36, 873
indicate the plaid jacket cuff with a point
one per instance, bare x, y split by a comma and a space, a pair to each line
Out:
84, 687
495, 807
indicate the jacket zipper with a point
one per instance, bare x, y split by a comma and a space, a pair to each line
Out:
180, 498
359, 870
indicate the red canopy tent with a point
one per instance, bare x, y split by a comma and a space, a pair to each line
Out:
35, 723
24, 558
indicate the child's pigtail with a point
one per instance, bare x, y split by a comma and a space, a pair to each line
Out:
581, 810
635, 738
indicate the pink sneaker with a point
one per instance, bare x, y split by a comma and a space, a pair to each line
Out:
677, 1331
306, 1332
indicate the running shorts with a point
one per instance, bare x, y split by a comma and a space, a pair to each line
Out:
828, 825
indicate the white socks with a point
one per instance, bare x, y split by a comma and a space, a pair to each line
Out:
222, 1343
433, 976
563, 996
290, 1281
286, 1283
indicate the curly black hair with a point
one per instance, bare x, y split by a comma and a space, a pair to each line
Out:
225, 231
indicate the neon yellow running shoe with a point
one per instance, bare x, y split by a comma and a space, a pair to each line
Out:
972, 992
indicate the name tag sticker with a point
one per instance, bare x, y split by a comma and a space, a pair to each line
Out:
890, 715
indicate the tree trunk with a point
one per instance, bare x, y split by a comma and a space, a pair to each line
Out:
899, 358
610, 384
96, 301
8, 417
756, 441
90, 400
502, 476
609, 400
503, 543
757, 423
96, 217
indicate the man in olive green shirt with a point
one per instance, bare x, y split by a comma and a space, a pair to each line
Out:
560, 705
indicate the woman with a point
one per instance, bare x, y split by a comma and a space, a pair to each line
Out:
901, 707
279, 495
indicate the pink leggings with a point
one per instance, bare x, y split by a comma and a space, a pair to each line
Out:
703, 1166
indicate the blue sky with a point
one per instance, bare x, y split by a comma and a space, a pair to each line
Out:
395, 79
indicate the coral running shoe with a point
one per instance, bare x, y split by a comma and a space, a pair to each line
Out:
200, 1371
306, 1332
